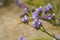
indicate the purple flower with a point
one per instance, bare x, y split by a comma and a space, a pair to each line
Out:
35, 14
37, 23
24, 19
39, 9
57, 37
25, 11
49, 18
36, 19
44, 17
19, 2
53, 16
21, 38
49, 6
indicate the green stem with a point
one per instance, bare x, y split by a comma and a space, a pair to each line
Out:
44, 30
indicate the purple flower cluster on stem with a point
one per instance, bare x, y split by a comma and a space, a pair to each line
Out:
47, 8
35, 14
37, 23
49, 16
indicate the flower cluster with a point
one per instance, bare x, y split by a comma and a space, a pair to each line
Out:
36, 23
49, 16
47, 8
35, 14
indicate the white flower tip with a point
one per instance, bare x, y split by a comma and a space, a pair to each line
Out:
54, 39
25, 8
49, 3
22, 19
36, 9
35, 20
40, 6
53, 13
25, 17
39, 22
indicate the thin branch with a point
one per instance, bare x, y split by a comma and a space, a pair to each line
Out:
44, 30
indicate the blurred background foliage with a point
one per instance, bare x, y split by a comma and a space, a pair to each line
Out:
36, 3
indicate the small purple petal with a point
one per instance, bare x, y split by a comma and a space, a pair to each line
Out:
25, 18
21, 38
35, 14
26, 11
57, 36
39, 23
48, 15
49, 18
44, 10
44, 17
19, 1
36, 23
36, 19
39, 9
53, 16
49, 6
